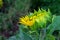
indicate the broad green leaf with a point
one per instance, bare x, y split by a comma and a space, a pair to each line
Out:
21, 35
50, 37
55, 25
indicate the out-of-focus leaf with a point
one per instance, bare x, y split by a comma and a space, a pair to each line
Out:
12, 38
55, 25
0, 37
49, 37
1, 3
22, 5
21, 35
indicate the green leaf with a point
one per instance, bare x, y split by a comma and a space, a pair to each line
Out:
55, 25
50, 37
21, 35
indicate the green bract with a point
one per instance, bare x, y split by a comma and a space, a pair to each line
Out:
42, 17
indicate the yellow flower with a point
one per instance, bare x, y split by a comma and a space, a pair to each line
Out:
33, 17
41, 17
1, 3
26, 21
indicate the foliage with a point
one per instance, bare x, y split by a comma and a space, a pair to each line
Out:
54, 5
22, 6
55, 25
37, 25
31, 32
9, 15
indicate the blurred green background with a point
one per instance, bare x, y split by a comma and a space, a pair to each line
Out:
12, 10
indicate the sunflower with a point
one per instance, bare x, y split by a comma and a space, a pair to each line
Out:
26, 21
40, 17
